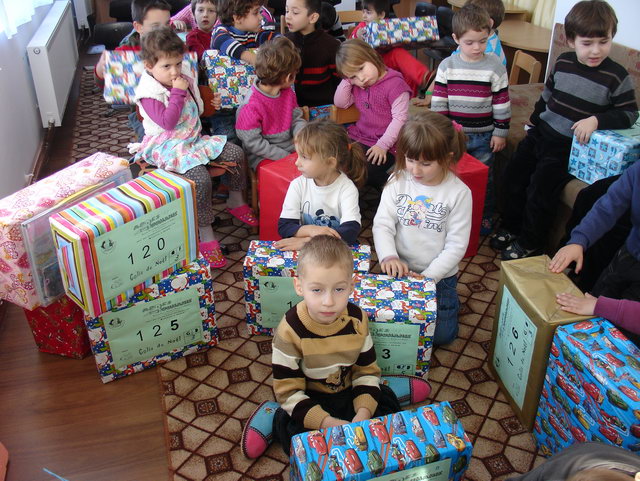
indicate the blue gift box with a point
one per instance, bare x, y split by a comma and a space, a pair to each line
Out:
591, 389
402, 320
608, 153
262, 261
428, 443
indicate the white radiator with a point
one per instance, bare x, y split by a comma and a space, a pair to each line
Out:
53, 56
83, 9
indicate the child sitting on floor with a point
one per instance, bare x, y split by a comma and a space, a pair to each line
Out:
170, 105
414, 72
324, 199
382, 98
269, 116
343, 384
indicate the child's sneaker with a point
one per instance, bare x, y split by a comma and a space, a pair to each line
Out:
516, 251
408, 389
258, 431
501, 239
486, 227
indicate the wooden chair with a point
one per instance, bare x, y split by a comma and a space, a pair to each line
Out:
344, 116
528, 63
350, 18
283, 25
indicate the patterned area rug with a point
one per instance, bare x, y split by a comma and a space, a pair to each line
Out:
208, 396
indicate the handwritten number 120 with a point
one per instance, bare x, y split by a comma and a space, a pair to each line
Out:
145, 250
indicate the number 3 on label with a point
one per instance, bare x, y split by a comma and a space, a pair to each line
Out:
386, 354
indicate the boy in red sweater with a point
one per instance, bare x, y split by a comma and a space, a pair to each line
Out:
206, 15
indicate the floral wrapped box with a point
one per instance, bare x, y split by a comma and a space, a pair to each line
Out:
231, 77
401, 31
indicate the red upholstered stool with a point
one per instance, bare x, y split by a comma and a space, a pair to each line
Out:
274, 177
475, 175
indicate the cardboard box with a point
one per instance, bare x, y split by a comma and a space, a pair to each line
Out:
163, 322
122, 72
17, 283
320, 112
268, 283
591, 389
526, 319
59, 329
113, 245
475, 175
402, 320
608, 153
401, 31
428, 443
231, 77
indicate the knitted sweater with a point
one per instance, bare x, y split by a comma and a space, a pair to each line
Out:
622, 312
623, 194
233, 42
574, 91
474, 94
198, 41
375, 106
266, 124
326, 358
317, 78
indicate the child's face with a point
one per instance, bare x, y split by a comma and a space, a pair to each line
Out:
206, 16
251, 22
364, 76
325, 290
298, 18
370, 15
472, 43
591, 51
425, 172
166, 69
154, 19
315, 167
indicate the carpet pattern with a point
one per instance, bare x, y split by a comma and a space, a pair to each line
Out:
208, 396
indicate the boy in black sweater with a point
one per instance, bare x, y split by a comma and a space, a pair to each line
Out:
585, 91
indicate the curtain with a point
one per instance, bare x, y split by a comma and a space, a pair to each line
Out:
543, 13
14, 13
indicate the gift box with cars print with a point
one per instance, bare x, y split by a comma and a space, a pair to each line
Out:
427, 443
591, 390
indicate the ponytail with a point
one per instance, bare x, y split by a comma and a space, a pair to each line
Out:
353, 164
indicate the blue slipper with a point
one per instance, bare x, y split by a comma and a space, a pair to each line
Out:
257, 432
408, 389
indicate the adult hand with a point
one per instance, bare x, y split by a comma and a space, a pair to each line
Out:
565, 256
376, 155
583, 129
577, 305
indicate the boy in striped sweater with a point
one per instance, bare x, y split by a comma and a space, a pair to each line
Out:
472, 89
585, 91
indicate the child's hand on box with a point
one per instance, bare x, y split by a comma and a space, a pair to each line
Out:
583, 129
392, 266
565, 256
331, 422
216, 101
362, 415
310, 230
291, 243
577, 305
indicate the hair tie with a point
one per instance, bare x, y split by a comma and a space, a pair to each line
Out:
456, 126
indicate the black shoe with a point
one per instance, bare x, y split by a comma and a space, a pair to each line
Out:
516, 251
501, 239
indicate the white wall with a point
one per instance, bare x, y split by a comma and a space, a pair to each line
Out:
20, 125
627, 11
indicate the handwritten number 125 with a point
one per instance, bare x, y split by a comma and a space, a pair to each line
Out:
157, 332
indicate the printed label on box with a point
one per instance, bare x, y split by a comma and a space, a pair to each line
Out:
514, 347
438, 471
277, 296
138, 250
396, 345
152, 328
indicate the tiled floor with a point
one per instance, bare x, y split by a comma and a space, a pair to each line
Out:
208, 396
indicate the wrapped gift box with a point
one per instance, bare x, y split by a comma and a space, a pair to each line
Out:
231, 77
59, 328
401, 31
17, 284
268, 283
116, 243
320, 112
608, 153
163, 322
402, 320
122, 73
591, 389
475, 175
419, 444
527, 317
276, 176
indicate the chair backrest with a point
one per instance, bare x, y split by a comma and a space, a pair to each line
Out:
528, 63
344, 116
283, 25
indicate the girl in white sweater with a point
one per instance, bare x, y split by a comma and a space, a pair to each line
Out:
423, 222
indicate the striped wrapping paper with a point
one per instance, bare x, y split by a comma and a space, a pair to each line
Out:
93, 238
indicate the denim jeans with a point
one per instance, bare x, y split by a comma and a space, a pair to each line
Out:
447, 316
478, 146
224, 123
136, 125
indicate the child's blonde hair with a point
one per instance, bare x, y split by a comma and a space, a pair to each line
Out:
162, 42
325, 251
353, 53
600, 474
327, 139
430, 136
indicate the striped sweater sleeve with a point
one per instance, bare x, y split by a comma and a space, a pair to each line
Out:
501, 103
223, 41
366, 375
440, 96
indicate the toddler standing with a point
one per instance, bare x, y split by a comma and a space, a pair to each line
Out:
169, 104
424, 219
